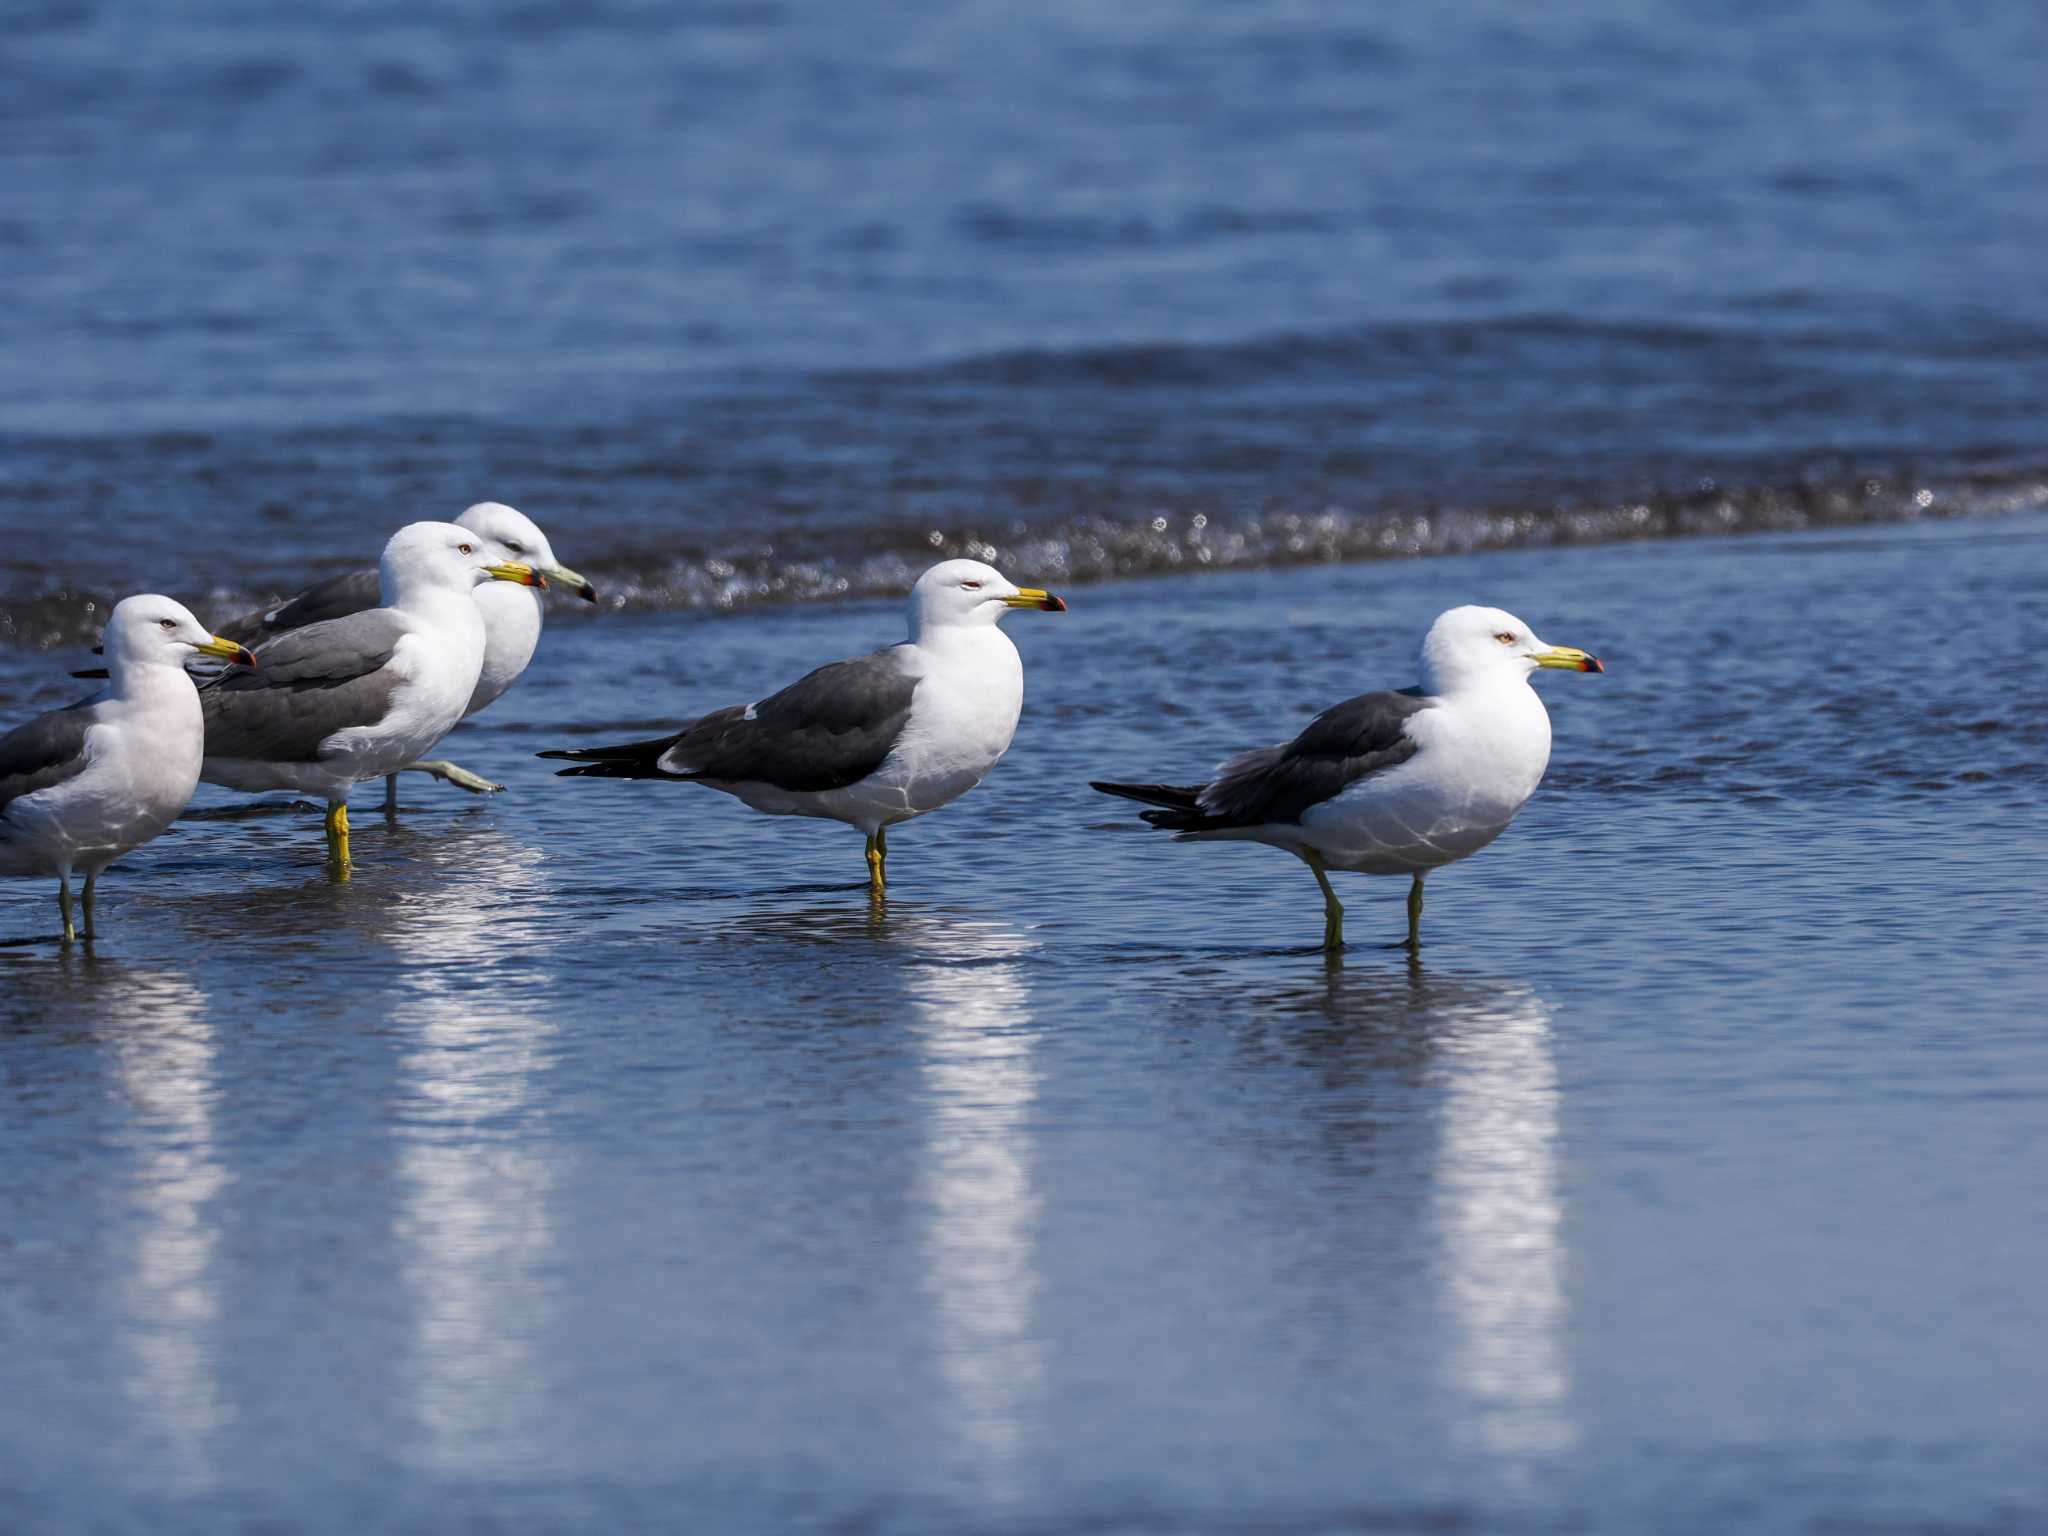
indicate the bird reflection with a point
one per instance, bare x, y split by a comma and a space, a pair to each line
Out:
163, 1052
971, 1010
1500, 1220
1451, 1079
476, 1223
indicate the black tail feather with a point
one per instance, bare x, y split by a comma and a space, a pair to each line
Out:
1179, 805
1175, 797
628, 760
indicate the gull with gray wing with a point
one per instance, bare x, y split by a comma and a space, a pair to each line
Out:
83, 785
1394, 783
513, 616
872, 741
361, 696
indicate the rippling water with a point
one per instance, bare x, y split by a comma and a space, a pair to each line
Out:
761, 301
597, 1159
597, 1153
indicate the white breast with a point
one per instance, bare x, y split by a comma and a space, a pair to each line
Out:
1482, 755
436, 667
143, 764
969, 695
964, 721
512, 622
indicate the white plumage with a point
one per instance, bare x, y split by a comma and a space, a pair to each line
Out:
1391, 783
872, 741
79, 787
359, 697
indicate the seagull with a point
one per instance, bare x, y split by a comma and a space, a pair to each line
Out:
512, 619
1390, 783
80, 786
359, 697
871, 741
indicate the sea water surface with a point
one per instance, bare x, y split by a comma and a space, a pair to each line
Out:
757, 300
599, 1158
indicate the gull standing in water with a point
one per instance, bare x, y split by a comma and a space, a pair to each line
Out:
512, 619
1390, 783
81, 786
872, 741
355, 698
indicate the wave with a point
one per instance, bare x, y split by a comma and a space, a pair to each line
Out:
1167, 543
882, 561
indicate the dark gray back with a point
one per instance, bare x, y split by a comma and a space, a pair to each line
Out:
306, 685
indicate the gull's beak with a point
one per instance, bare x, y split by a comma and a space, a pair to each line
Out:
226, 650
562, 575
1035, 597
1567, 659
525, 575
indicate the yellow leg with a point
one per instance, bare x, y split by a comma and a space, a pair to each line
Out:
85, 901
1415, 914
878, 854
1333, 911
64, 905
449, 773
337, 834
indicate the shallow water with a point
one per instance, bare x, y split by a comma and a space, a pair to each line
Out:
597, 1157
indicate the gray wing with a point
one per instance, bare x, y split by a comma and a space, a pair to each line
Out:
1344, 744
305, 686
827, 730
335, 598
44, 751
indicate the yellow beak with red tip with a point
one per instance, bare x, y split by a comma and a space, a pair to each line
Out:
1567, 658
1035, 597
226, 650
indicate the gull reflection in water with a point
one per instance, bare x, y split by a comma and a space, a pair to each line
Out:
163, 1051
972, 1015
1500, 1221
476, 1226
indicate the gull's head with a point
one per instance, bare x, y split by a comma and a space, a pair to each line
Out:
151, 630
516, 539
962, 592
1472, 646
445, 557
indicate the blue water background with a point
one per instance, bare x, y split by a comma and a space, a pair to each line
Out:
769, 299
597, 1159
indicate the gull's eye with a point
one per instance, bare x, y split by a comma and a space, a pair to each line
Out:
1505, 637
517, 549
168, 623
971, 586
467, 549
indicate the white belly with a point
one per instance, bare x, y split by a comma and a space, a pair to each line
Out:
143, 766
437, 681
435, 673
961, 723
1478, 765
512, 624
